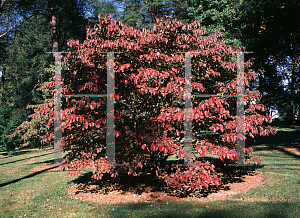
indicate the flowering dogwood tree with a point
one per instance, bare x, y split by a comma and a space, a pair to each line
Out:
149, 102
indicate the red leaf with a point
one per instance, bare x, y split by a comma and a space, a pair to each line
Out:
166, 150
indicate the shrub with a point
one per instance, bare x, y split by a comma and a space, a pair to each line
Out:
149, 82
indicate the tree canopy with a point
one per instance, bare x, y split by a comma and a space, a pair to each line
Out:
150, 83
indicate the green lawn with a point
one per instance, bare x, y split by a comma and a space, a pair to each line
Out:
24, 193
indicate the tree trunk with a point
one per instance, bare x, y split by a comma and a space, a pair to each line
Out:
3, 56
154, 168
298, 117
291, 112
53, 26
293, 78
2, 81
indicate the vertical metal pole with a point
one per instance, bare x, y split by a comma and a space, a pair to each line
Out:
188, 111
239, 111
240, 115
57, 108
110, 133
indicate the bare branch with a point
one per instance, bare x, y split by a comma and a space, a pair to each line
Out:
8, 14
4, 33
2, 3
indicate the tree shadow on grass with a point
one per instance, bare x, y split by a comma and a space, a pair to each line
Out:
286, 140
222, 209
24, 159
28, 176
43, 162
7, 155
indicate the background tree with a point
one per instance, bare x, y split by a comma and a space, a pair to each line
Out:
25, 62
66, 18
8, 22
216, 15
143, 14
42, 27
104, 8
8, 18
270, 30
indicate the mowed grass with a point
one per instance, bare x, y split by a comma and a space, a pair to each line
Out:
24, 193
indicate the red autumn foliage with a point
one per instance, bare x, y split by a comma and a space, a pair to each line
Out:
149, 82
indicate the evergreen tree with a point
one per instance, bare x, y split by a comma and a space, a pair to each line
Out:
104, 8
9, 121
143, 14
66, 18
46, 26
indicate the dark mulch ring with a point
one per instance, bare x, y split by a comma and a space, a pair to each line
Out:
145, 188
